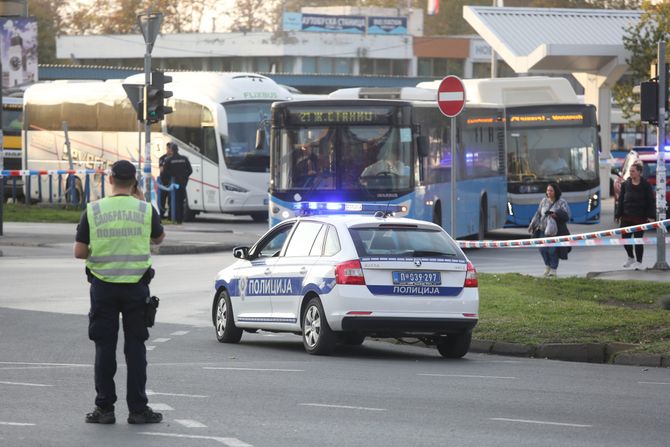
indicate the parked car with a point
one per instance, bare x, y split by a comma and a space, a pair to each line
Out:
341, 278
648, 160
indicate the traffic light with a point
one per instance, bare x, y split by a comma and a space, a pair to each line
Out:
648, 91
156, 96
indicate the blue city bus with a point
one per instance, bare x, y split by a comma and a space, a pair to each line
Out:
550, 136
394, 152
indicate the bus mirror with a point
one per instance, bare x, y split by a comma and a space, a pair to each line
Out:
260, 139
241, 252
422, 143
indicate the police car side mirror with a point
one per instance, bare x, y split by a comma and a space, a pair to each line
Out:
241, 252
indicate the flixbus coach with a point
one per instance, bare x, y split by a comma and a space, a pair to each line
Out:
550, 136
354, 148
214, 124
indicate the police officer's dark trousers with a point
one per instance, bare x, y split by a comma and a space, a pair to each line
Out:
180, 198
107, 301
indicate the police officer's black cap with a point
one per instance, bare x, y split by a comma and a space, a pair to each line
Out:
123, 170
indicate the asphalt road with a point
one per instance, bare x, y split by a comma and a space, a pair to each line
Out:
267, 392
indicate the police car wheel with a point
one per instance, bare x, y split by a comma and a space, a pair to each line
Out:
351, 338
454, 346
317, 337
224, 323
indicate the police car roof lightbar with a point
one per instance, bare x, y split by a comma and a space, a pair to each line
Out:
310, 208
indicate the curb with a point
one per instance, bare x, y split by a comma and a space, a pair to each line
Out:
191, 248
608, 353
612, 353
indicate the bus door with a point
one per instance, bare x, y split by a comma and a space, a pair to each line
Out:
211, 183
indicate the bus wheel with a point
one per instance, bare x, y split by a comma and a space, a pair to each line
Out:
437, 214
259, 216
483, 220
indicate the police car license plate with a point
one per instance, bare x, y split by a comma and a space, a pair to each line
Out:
417, 278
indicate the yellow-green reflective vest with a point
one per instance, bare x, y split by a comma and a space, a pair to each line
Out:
120, 232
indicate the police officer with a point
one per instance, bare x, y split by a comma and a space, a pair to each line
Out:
114, 236
179, 169
165, 179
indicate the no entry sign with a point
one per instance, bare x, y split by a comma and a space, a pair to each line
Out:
451, 96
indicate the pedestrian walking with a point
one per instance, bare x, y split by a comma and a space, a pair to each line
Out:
551, 219
113, 236
179, 169
165, 179
636, 206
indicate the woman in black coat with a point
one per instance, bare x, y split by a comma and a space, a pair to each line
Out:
637, 205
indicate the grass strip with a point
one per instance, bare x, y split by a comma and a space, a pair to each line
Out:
525, 309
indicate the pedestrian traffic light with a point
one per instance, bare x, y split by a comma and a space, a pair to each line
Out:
156, 96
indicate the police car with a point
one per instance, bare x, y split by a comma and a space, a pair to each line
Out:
340, 278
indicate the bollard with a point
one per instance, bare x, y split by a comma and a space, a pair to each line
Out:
14, 189
87, 191
102, 186
39, 187
51, 188
60, 188
26, 181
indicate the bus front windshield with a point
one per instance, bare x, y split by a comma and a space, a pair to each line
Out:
239, 149
373, 158
549, 154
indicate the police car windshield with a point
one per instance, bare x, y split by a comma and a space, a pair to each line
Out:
403, 241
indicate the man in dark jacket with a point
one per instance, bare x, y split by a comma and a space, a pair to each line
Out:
179, 169
165, 180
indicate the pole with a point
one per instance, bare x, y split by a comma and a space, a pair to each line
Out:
147, 126
454, 170
661, 263
2, 158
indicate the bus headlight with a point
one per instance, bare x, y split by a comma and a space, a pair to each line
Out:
510, 211
233, 188
593, 203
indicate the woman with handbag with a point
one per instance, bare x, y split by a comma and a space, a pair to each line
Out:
637, 205
551, 219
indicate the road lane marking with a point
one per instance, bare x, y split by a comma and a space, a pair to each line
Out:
230, 442
29, 365
150, 348
23, 384
180, 333
253, 369
346, 407
161, 407
190, 423
17, 424
654, 383
160, 340
527, 421
153, 393
468, 376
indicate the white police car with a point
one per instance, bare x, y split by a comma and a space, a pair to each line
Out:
340, 278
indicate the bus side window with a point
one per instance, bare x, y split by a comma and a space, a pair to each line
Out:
209, 143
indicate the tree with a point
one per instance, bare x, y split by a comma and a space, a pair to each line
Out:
49, 25
642, 40
255, 15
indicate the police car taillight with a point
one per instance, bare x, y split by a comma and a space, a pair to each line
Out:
470, 276
349, 272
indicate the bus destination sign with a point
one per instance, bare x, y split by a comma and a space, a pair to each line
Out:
546, 119
361, 116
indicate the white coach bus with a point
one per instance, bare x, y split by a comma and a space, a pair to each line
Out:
214, 123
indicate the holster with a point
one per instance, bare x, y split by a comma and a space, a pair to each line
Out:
150, 308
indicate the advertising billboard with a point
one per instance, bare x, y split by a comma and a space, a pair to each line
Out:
18, 49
